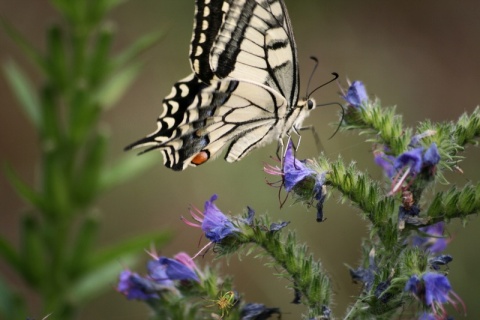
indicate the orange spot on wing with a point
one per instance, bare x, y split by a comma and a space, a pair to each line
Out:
200, 158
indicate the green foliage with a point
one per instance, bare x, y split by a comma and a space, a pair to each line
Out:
58, 256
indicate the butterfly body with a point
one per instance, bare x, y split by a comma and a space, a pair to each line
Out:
243, 92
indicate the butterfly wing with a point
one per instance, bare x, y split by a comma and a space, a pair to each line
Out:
250, 40
239, 114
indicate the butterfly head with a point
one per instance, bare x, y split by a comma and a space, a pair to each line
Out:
310, 103
307, 104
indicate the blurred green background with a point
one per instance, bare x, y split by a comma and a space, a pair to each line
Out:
423, 56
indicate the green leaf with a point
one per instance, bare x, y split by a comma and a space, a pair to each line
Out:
23, 190
134, 245
8, 253
134, 50
106, 265
99, 8
24, 92
126, 169
27, 48
12, 306
112, 90
83, 245
32, 251
56, 59
88, 177
99, 64
100, 279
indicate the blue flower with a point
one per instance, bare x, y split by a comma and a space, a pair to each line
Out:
276, 226
433, 290
164, 270
257, 311
300, 178
439, 261
135, 287
431, 156
356, 94
408, 164
294, 170
386, 163
411, 159
433, 240
427, 316
216, 225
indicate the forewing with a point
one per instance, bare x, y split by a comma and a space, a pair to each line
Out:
208, 19
255, 42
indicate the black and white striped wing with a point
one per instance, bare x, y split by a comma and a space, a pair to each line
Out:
244, 89
239, 114
246, 39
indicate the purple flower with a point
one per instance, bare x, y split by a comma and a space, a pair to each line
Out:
135, 287
415, 141
439, 261
433, 290
213, 222
257, 311
293, 171
427, 316
433, 240
409, 163
411, 159
186, 260
216, 225
274, 227
386, 163
431, 156
356, 94
164, 270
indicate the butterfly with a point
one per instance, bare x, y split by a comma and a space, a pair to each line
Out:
244, 89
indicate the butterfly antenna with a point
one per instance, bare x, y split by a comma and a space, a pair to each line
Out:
341, 120
335, 77
311, 74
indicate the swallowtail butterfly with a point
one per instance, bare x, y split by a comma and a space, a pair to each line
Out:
243, 92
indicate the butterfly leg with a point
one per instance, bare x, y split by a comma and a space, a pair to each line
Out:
318, 143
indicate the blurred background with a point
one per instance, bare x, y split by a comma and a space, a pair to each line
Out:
422, 56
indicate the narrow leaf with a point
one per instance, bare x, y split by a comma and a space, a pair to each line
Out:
88, 176
32, 251
27, 48
126, 169
130, 246
12, 305
8, 253
56, 59
23, 190
100, 279
24, 92
113, 89
142, 44
98, 64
